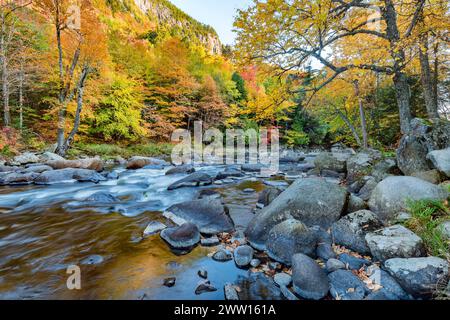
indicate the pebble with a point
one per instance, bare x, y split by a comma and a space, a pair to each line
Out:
205, 286
169, 282
255, 263
202, 273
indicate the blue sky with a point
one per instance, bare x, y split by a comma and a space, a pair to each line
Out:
217, 13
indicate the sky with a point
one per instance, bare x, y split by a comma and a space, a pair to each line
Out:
217, 13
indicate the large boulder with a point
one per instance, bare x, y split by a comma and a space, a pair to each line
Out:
185, 236
229, 172
418, 276
268, 195
37, 168
88, 163
350, 231
137, 162
390, 195
423, 139
50, 156
394, 242
63, 175
313, 201
441, 160
192, 180
26, 158
309, 279
210, 216
329, 161
288, 238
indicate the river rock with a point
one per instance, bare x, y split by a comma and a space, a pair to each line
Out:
210, 242
384, 169
169, 282
205, 286
95, 164
208, 214
37, 168
137, 162
282, 279
4, 168
329, 161
390, 286
26, 158
394, 242
419, 142
92, 260
350, 231
258, 286
288, 238
268, 195
230, 292
62, 175
222, 255
431, 176
355, 203
309, 279
192, 180
312, 201
344, 285
153, 228
418, 276
441, 160
50, 156
353, 263
185, 236
361, 164
255, 263
243, 255
334, 264
229, 172
366, 191
252, 167
391, 194
102, 197
17, 178
183, 169
444, 228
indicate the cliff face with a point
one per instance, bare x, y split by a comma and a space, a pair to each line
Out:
169, 16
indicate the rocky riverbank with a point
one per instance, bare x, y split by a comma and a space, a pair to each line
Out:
329, 225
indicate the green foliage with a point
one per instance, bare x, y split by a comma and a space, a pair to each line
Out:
426, 217
119, 113
240, 85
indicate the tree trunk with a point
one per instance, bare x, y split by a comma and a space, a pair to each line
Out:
427, 80
21, 84
398, 56
436, 75
350, 126
4, 69
362, 115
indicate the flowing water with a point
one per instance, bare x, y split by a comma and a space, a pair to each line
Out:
45, 229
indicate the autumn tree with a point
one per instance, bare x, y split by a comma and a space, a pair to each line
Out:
80, 45
290, 34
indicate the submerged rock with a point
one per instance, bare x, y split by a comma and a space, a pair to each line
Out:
258, 286
102, 197
222, 256
153, 228
92, 260
312, 201
208, 214
169, 282
205, 286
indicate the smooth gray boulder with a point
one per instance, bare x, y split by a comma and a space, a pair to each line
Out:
313, 201
288, 238
390, 286
185, 236
350, 231
95, 164
37, 168
208, 214
431, 176
394, 242
355, 203
390, 195
64, 175
186, 168
138, 162
309, 279
329, 161
49, 156
441, 160
366, 190
360, 164
193, 180
418, 276
344, 285
243, 255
